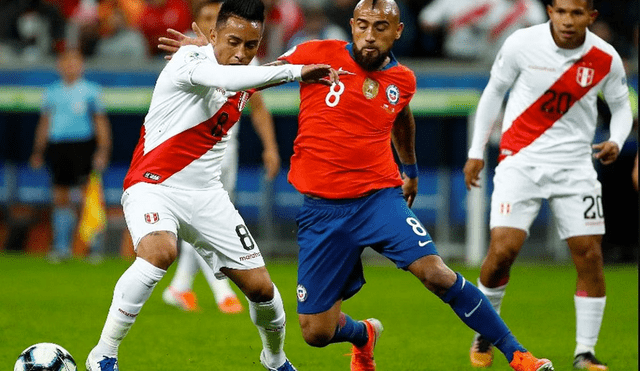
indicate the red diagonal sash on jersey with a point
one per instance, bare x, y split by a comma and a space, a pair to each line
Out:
469, 17
577, 81
518, 10
177, 152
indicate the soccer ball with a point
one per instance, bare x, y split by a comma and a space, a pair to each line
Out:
45, 357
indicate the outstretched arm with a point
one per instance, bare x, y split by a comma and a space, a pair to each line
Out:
403, 136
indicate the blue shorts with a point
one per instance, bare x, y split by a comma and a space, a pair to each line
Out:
333, 233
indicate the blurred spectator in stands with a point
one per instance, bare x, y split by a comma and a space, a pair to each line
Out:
75, 134
283, 19
120, 41
151, 17
476, 29
82, 26
33, 29
317, 27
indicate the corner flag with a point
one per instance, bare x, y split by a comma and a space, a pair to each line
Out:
94, 215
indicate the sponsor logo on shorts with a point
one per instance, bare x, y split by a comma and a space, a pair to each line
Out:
505, 208
250, 256
301, 293
151, 218
152, 176
594, 223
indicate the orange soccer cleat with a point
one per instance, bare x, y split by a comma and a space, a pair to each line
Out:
230, 305
525, 361
362, 357
589, 362
481, 352
185, 300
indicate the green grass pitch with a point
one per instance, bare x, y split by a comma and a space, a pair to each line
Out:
67, 304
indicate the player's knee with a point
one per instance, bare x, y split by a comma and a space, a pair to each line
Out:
504, 256
158, 248
590, 255
316, 336
503, 250
260, 292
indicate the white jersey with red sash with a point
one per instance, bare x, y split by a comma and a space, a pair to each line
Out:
550, 118
194, 104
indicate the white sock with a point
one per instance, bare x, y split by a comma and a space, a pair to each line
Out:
131, 292
269, 318
494, 295
589, 313
187, 268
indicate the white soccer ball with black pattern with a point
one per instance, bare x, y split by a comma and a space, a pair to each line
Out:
45, 357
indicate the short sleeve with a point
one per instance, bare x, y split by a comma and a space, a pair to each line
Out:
615, 87
299, 53
506, 68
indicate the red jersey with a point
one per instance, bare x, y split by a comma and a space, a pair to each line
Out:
343, 146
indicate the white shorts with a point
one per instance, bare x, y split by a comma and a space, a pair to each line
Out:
575, 198
204, 218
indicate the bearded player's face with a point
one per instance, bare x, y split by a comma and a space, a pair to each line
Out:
374, 30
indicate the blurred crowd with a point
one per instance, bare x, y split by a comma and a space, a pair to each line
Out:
124, 30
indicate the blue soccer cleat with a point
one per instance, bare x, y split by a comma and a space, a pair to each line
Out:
101, 363
287, 366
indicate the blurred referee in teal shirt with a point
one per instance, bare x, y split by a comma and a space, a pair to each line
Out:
75, 133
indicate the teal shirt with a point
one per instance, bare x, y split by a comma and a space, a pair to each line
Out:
71, 109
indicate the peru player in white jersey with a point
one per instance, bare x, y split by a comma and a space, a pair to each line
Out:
180, 291
555, 71
173, 186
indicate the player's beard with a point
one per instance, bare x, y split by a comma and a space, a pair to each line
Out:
369, 63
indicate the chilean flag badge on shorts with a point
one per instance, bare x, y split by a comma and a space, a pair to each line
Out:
584, 76
151, 218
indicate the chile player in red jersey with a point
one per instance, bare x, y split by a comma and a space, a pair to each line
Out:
356, 197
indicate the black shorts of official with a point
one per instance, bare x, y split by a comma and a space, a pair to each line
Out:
70, 162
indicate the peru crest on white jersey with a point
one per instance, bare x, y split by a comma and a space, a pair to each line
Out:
551, 113
184, 135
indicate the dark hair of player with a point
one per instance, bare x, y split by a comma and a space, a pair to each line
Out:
251, 10
589, 4
201, 4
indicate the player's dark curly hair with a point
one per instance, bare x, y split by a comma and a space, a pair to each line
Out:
590, 5
251, 10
